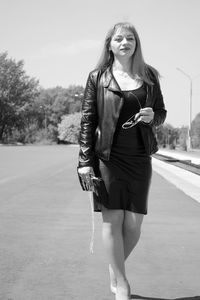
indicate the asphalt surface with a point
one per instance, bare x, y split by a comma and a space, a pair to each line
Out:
45, 228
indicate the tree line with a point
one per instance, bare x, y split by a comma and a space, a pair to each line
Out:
31, 114
28, 112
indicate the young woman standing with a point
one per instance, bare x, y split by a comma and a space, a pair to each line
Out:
122, 106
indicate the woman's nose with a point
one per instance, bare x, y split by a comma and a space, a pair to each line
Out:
124, 41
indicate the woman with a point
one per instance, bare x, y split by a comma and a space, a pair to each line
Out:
121, 107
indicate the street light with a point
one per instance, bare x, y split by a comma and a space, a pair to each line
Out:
190, 110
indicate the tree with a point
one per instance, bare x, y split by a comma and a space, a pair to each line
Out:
53, 103
17, 91
183, 136
195, 132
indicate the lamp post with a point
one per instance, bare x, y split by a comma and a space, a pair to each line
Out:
190, 106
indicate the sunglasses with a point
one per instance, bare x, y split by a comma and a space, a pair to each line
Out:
132, 121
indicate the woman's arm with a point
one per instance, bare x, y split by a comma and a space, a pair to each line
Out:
155, 113
89, 123
160, 112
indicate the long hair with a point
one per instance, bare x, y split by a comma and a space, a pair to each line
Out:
139, 67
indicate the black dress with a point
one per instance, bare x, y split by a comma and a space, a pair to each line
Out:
127, 174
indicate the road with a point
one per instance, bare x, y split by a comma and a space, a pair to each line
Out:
45, 228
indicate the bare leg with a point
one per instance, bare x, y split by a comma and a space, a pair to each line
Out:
131, 231
114, 244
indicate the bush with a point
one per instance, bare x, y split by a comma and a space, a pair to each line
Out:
69, 128
30, 135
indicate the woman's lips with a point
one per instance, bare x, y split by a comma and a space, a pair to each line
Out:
124, 49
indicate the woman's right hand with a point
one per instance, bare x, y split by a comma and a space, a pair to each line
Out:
85, 174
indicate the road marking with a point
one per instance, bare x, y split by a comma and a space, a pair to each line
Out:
11, 178
5, 180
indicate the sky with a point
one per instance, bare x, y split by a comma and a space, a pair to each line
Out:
60, 42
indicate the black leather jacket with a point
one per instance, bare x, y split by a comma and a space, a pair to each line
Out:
101, 107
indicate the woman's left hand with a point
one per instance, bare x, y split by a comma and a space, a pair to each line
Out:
145, 115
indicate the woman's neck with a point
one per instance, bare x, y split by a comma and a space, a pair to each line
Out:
122, 66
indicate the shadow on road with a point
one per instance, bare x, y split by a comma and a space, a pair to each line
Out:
150, 298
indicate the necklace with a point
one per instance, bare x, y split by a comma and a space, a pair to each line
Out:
126, 80
127, 75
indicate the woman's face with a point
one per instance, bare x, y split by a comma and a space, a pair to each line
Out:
123, 43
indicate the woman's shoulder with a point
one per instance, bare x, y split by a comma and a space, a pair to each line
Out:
94, 75
152, 73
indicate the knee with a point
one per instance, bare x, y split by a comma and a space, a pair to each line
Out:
133, 229
133, 222
112, 221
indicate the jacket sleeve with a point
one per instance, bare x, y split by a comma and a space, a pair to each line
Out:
160, 112
89, 123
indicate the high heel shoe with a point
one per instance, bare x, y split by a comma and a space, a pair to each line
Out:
113, 281
122, 297
113, 289
123, 294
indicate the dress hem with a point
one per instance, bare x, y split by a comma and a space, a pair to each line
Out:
109, 208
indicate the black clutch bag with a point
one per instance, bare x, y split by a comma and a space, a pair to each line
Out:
98, 185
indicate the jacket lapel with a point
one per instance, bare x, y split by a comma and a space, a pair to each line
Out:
111, 84
109, 81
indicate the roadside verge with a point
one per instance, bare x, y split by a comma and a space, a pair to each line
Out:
186, 181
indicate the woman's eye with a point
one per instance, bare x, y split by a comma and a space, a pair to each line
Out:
128, 39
